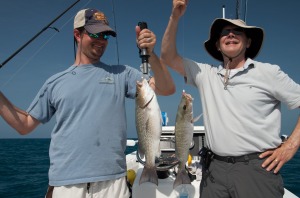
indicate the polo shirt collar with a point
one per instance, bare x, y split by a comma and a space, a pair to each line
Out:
247, 65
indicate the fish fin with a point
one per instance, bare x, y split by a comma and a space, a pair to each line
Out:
181, 178
158, 152
196, 118
149, 175
141, 152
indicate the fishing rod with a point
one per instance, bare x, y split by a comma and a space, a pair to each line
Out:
40, 32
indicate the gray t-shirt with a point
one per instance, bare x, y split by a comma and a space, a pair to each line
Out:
246, 117
89, 137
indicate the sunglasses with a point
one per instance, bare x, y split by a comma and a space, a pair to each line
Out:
100, 35
236, 31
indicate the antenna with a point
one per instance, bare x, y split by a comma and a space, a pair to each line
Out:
246, 9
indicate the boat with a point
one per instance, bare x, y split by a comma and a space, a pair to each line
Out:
167, 177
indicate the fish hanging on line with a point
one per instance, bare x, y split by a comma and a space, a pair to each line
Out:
184, 129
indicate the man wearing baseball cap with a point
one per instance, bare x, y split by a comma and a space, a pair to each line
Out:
241, 109
88, 141
93, 21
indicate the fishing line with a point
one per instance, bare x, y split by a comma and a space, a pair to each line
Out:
25, 63
183, 33
115, 27
39, 49
183, 84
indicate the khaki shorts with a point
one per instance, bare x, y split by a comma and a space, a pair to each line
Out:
112, 188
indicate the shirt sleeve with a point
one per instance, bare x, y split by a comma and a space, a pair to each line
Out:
286, 90
41, 108
191, 70
133, 75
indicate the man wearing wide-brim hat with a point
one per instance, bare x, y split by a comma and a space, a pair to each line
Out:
241, 102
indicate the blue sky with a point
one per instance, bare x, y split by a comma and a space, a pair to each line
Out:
51, 52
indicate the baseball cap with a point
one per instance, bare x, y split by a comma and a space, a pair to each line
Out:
93, 21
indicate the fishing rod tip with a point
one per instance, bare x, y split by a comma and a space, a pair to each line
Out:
54, 28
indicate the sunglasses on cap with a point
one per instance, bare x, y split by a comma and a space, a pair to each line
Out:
100, 35
235, 31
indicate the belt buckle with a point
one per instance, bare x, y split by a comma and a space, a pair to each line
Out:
230, 160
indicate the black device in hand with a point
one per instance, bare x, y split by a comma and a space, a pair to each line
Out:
142, 25
143, 52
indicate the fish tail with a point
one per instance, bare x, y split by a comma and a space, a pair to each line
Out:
149, 175
181, 178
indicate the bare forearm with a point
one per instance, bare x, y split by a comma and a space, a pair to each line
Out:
168, 47
293, 141
164, 84
15, 117
286, 151
169, 54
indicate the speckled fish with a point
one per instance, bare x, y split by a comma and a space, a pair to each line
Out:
149, 128
184, 129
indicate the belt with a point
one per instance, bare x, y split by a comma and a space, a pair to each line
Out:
234, 159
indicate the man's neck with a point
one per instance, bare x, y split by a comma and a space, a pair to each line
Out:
84, 61
235, 63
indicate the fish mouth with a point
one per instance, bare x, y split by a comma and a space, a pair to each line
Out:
188, 97
140, 83
144, 93
188, 100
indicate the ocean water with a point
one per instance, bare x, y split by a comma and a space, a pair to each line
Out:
24, 167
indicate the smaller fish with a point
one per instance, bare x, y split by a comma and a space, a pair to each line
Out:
184, 129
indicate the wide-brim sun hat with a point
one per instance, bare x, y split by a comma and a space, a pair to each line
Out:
255, 33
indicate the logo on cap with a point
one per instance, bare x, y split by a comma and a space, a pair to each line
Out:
99, 16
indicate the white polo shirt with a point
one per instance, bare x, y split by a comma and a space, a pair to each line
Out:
246, 117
